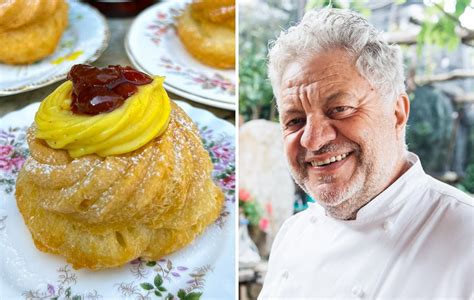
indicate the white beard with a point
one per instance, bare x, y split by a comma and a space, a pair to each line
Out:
367, 182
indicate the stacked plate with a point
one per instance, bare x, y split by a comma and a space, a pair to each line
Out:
154, 47
83, 42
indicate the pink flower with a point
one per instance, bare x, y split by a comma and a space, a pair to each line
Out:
17, 162
51, 290
9, 164
263, 224
222, 152
7, 161
244, 195
229, 182
5, 150
269, 207
5, 164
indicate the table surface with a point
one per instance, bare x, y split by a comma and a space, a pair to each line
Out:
114, 55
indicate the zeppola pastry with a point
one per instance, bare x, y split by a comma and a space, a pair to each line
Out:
30, 30
117, 171
207, 30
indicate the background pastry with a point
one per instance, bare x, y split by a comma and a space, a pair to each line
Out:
31, 30
207, 30
105, 203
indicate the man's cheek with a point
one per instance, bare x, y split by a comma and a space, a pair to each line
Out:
287, 149
292, 155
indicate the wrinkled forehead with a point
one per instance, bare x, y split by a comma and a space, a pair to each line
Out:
319, 76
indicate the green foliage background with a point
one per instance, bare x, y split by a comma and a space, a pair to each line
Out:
430, 125
255, 33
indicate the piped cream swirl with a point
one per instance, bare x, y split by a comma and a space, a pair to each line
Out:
142, 117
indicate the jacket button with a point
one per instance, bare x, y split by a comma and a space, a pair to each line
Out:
357, 291
387, 226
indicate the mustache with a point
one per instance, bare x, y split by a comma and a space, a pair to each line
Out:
328, 148
331, 147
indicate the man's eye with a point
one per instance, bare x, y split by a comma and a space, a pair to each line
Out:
341, 109
294, 122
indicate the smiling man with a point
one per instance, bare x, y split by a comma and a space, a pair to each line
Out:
381, 227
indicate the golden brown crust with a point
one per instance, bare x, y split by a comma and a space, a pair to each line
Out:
35, 39
207, 30
215, 11
102, 213
17, 13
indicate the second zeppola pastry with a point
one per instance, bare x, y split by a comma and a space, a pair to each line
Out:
117, 171
30, 30
207, 30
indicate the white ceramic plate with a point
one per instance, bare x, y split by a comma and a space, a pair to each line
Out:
206, 266
198, 99
154, 47
83, 41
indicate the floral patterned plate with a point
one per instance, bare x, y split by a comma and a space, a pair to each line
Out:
154, 47
83, 41
203, 270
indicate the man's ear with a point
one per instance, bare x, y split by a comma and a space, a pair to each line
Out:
402, 111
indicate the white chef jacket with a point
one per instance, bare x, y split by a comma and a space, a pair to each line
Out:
413, 241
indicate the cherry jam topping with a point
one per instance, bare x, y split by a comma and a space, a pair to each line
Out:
99, 90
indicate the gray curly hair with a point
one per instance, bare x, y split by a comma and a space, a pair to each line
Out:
329, 28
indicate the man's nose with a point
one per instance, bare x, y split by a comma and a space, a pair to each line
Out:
316, 134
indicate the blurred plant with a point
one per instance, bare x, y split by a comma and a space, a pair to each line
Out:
252, 210
439, 26
357, 5
256, 29
255, 93
430, 128
314, 4
467, 184
470, 147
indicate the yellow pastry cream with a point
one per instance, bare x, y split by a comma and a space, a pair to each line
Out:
117, 171
141, 118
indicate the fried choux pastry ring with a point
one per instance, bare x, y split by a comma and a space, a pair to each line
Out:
31, 30
207, 30
101, 210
